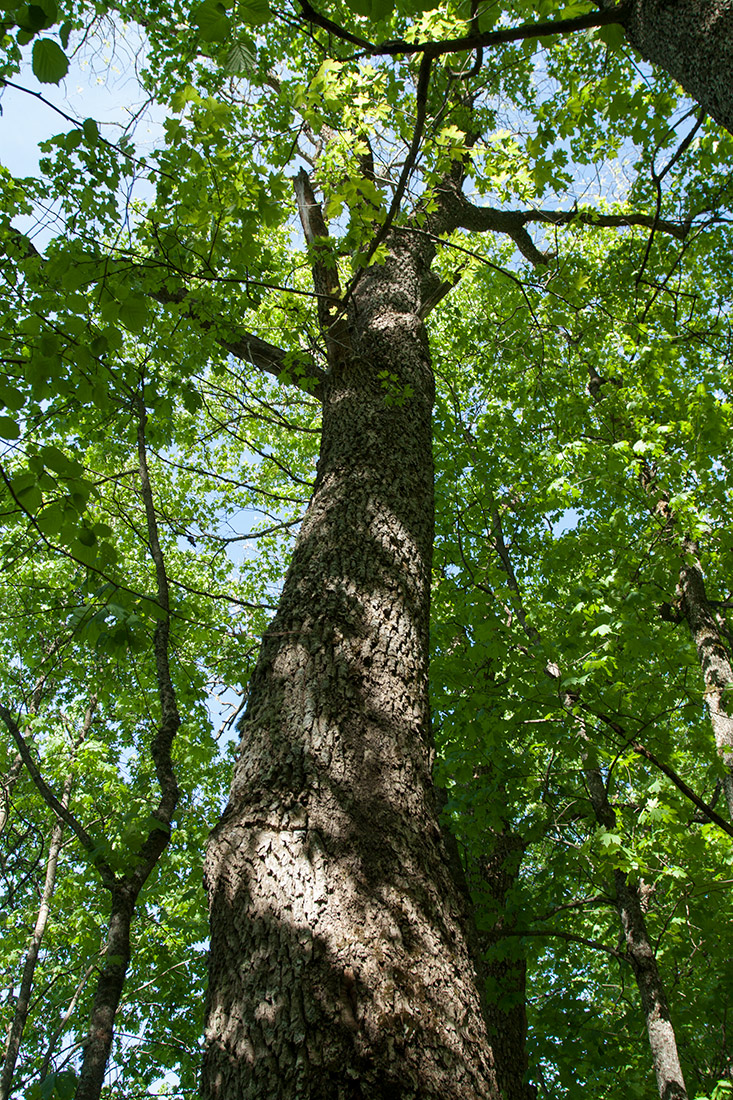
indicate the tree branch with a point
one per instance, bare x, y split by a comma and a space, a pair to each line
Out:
106, 873
247, 347
474, 41
688, 792
458, 213
620, 221
596, 944
323, 264
252, 349
421, 97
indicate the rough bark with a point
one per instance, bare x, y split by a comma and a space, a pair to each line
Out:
339, 964
715, 662
640, 952
693, 41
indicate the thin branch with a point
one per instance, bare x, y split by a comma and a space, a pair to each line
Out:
80, 126
687, 791
106, 873
474, 41
252, 349
421, 97
596, 944
65, 1019
459, 213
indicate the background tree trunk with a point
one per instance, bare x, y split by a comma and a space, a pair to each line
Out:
22, 1004
339, 964
505, 969
640, 951
715, 662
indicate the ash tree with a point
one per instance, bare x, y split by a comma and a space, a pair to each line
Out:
326, 181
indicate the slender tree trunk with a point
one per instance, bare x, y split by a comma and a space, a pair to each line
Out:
693, 41
125, 889
6, 789
505, 970
22, 1003
640, 951
639, 948
107, 994
713, 654
715, 662
339, 965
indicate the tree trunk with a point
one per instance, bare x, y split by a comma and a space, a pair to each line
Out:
640, 952
22, 1005
693, 41
125, 888
107, 996
339, 965
715, 663
505, 969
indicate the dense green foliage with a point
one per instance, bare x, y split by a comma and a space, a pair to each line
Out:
583, 411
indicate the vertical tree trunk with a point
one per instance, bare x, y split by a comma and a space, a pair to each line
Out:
339, 966
715, 662
505, 970
22, 1004
662, 1040
693, 41
125, 888
107, 995
713, 655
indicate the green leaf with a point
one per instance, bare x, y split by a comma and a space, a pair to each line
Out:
56, 459
50, 64
49, 9
10, 397
91, 131
212, 20
86, 536
184, 95
55, 1086
613, 35
255, 12
51, 519
9, 428
372, 9
241, 58
133, 313
30, 499
375, 10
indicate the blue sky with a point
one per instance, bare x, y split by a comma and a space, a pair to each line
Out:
101, 84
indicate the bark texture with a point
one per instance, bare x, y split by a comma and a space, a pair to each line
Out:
107, 995
339, 964
693, 41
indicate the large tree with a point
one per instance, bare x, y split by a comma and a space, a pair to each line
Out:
344, 959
